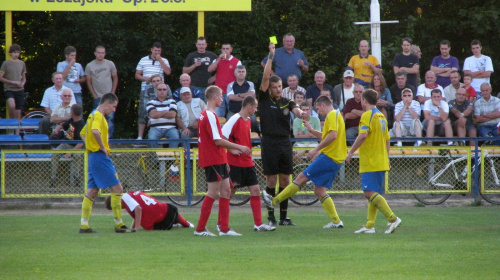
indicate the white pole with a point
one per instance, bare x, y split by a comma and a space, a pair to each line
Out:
375, 30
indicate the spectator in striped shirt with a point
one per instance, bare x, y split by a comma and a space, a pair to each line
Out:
487, 113
146, 68
293, 86
162, 113
407, 117
150, 65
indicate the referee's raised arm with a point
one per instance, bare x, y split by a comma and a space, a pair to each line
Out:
264, 85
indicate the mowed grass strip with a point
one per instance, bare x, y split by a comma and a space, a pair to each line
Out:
432, 243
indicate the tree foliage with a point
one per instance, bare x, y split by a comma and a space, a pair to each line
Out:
324, 31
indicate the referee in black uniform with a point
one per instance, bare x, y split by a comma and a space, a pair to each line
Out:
274, 111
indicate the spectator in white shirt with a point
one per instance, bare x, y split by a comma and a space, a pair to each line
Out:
436, 114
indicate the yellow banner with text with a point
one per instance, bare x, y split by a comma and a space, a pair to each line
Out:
126, 5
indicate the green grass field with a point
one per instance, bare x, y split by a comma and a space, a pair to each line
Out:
432, 243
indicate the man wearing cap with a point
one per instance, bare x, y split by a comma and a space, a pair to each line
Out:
401, 84
185, 81
162, 113
407, 117
342, 92
188, 112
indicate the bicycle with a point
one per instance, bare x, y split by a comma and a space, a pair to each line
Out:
197, 195
452, 176
143, 179
306, 196
241, 197
490, 178
33, 114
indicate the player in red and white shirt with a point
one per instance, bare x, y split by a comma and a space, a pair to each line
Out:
149, 212
242, 168
212, 156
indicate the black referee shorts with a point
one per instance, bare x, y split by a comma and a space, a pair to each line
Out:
277, 155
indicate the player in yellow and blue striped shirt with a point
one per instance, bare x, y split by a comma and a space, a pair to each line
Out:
373, 143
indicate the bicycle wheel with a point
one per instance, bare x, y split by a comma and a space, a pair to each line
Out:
201, 190
491, 181
181, 200
431, 198
35, 114
425, 180
241, 197
305, 196
493, 198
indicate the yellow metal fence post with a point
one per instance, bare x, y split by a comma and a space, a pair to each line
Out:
201, 24
8, 43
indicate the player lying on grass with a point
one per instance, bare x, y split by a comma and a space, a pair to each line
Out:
325, 167
149, 212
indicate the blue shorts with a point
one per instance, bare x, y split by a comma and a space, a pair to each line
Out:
373, 181
102, 172
322, 171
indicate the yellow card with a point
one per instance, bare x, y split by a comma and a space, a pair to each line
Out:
273, 40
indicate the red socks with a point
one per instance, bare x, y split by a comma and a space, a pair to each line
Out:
182, 221
206, 209
256, 206
224, 214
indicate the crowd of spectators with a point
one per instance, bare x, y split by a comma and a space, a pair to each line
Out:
450, 102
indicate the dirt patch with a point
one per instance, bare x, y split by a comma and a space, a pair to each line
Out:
72, 206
